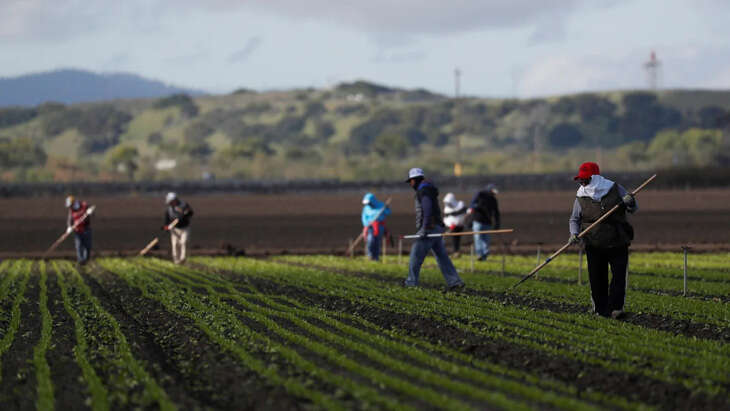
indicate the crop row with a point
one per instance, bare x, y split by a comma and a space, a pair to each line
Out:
388, 366
14, 282
644, 273
115, 378
692, 309
615, 346
357, 340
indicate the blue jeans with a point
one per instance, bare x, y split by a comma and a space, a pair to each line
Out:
481, 241
420, 249
82, 241
374, 243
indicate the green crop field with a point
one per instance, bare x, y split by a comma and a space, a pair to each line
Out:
323, 332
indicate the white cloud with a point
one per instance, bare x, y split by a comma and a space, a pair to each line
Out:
384, 19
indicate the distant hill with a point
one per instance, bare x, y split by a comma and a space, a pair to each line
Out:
76, 86
360, 131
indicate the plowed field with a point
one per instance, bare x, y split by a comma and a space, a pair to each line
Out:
324, 222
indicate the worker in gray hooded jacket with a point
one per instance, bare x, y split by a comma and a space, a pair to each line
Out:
608, 243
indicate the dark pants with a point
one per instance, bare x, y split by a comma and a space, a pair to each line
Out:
457, 238
82, 241
607, 296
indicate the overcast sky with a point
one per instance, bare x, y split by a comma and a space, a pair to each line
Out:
517, 48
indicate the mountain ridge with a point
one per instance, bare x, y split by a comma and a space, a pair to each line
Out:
71, 86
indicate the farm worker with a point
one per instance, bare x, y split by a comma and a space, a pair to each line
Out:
79, 222
485, 215
180, 233
606, 244
454, 217
428, 221
373, 222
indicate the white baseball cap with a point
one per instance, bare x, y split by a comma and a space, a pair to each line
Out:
169, 197
414, 172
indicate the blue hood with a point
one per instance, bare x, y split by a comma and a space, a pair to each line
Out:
372, 208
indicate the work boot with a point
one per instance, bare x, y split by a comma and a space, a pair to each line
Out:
456, 287
618, 314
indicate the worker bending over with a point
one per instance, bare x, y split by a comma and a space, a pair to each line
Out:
454, 218
373, 217
79, 222
180, 232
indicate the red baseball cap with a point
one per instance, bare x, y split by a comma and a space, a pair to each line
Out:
587, 170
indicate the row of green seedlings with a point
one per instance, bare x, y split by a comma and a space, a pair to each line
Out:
387, 352
646, 292
708, 311
115, 378
14, 284
384, 357
45, 397
643, 274
700, 365
225, 328
391, 343
15, 277
433, 276
353, 366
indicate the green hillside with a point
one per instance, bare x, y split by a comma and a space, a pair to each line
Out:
360, 131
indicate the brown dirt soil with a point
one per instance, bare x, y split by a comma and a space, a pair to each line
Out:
582, 375
324, 222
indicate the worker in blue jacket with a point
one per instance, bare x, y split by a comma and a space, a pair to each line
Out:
373, 217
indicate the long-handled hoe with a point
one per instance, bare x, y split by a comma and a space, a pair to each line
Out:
501, 231
156, 240
583, 233
65, 235
361, 236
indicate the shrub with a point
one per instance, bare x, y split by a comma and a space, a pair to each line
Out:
16, 115
183, 101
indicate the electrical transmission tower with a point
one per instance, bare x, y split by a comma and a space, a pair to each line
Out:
653, 71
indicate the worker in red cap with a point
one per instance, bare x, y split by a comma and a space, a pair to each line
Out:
608, 243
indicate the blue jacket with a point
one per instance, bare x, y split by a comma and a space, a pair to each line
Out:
372, 208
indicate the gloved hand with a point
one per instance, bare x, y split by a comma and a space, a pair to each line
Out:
574, 239
69, 230
90, 211
628, 199
421, 234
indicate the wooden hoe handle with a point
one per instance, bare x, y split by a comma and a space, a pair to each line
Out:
584, 232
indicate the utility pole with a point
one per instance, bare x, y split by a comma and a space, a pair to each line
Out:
457, 164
